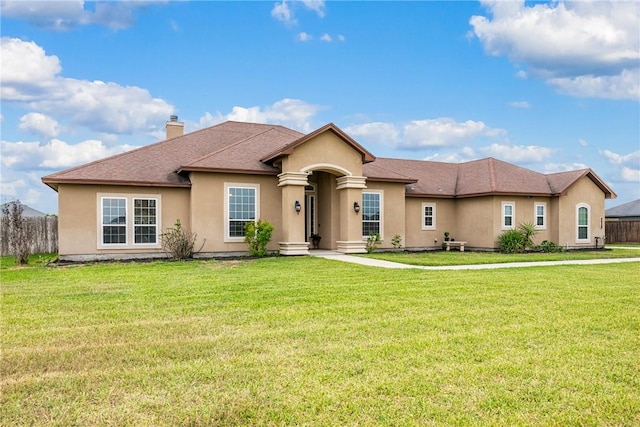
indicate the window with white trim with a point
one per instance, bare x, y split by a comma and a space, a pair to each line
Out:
371, 213
114, 221
508, 215
128, 221
428, 216
540, 215
242, 207
582, 223
145, 228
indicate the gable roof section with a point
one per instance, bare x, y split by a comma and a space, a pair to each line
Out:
159, 164
561, 181
288, 149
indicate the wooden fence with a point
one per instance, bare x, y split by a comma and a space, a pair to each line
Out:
622, 231
45, 230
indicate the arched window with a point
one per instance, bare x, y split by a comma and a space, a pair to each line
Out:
582, 223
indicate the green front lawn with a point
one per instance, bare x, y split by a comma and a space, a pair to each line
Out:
455, 257
308, 341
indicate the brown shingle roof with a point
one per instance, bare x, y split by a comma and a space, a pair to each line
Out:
478, 177
251, 148
158, 164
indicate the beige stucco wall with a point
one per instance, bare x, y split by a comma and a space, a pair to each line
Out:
582, 191
325, 149
208, 208
416, 237
78, 210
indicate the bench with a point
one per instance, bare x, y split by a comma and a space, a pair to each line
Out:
458, 244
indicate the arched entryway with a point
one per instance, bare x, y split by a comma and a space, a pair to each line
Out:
328, 194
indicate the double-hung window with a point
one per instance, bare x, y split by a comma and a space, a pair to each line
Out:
428, 216
114, 221
582, 214
128, 221
145, 228
371, 213
541, 215
508, 214
242, 207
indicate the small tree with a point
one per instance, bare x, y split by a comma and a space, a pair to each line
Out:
373, 241
19, 231
257, 235
528, 231
179, 242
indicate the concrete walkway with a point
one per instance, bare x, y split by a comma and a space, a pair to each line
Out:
388, 264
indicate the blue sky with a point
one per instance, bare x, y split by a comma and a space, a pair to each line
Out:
548, 86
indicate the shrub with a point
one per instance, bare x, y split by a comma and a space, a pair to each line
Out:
511, 241
179, 242
397, 241
20, 232
547, 246
257, 236
373, 241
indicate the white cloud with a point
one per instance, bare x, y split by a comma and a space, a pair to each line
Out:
315, 5
39, 124
304, 37
69, 14
292, 113
519, 104
586, 48
378, 133
326, 38
284, 11
583, 143
518, 153
341, 38
423, 134
443, 132
56, 154
626, 85
31, 78
632, 159
11, 189
631, 175
464, 155
563, 167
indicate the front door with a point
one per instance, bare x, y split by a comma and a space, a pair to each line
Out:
311, 213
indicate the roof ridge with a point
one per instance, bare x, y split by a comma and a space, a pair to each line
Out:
492, 174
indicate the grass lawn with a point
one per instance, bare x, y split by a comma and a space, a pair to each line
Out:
309, 341
455, 257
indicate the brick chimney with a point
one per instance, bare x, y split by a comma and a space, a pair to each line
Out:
174, 127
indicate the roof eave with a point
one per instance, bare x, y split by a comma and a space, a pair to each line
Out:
51, 183
397, 180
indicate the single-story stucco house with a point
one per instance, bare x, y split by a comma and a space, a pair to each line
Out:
216, 179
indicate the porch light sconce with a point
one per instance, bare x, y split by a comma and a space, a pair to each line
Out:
356, 207
297, 206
